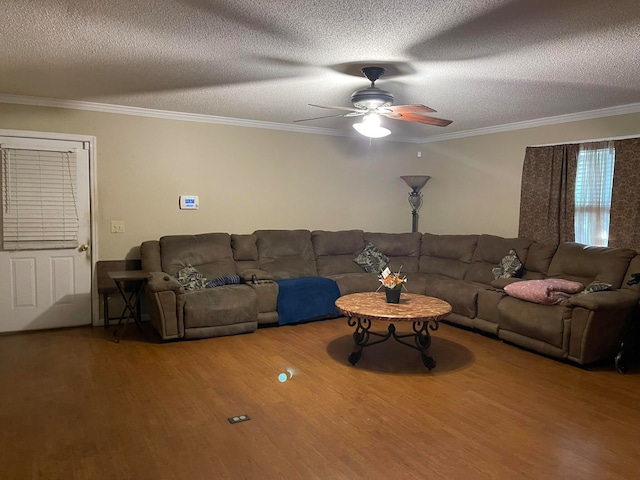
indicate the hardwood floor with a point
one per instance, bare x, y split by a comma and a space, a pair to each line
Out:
75, 405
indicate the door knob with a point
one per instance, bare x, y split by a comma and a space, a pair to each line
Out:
83, 248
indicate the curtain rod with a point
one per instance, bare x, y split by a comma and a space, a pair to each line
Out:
625, 137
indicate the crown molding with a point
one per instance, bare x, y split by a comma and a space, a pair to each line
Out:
539, 122
183, 116
163, 114
238, 122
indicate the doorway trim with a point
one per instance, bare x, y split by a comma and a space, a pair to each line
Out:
91, 140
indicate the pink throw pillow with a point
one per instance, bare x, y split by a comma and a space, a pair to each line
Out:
551, 291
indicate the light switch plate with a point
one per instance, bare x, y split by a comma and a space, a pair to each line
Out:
117, 226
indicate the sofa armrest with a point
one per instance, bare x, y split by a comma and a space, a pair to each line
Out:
166, 305
251, 275
598, 323
608, 300
160, 281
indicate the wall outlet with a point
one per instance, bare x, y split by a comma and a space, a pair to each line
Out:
117, 226
238, 419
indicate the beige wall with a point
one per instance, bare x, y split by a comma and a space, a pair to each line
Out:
476, 180
246, 178
250, 178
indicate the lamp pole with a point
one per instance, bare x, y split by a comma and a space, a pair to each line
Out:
416, 182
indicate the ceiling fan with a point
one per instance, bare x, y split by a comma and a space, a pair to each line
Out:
372, 102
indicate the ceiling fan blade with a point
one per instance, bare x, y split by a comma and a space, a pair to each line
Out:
402, 109
417, 118
349, 109
319, 118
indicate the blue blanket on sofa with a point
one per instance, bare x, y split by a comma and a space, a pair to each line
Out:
308, 298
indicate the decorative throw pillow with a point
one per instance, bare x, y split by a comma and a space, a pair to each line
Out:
597, 286
551, 291
190, 278
372, 260
509, 266
223, 280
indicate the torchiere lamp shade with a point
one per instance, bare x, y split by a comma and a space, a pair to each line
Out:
416, 182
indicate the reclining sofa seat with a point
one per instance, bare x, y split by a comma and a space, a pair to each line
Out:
586, 328
335, 253
535, 267
459, 271
303, 295
444, 260
200, 313
583, 329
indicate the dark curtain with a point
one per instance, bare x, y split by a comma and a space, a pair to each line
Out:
624, 224
548, 194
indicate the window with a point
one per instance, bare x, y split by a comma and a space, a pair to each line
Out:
39, 192
594, 182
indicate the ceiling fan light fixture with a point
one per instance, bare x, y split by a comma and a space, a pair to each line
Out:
370, 126
372, 97
373, 101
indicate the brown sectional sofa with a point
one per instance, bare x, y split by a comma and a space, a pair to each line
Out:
456, 268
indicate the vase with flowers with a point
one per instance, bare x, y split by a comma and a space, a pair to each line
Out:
392, 283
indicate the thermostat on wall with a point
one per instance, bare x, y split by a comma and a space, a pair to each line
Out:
189, 202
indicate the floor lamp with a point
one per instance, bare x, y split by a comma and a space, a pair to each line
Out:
416, 182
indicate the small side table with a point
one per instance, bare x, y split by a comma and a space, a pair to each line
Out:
136, 280
106, 287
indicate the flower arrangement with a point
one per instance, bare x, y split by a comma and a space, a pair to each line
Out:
391, 280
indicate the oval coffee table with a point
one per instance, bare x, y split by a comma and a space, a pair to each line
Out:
423, 311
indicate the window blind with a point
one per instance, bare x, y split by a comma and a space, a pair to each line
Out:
594, 182
39, 199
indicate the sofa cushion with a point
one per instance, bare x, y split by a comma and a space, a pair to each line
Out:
356, 282
538, 260
345, 242
210, 253
150, 257
488, 301
403, 249
585, 264
286, 253
461, 295
541, 322
267, 293
337, 264
335, 251
225, 305
371, 259
244, 247
458, 247
447, 255
500, 283
489, 252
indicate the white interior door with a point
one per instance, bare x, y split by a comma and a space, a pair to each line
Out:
48, 288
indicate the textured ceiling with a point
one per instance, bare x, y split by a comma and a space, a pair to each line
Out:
479, 63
